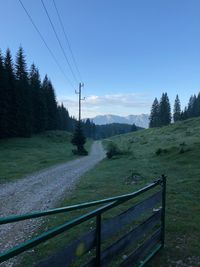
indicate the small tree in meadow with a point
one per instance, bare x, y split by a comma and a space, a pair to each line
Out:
79, 140
177, 109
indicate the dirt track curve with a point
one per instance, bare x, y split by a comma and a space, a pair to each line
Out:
40, 191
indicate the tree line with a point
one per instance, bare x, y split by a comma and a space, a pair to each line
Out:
161, 113
108, 130
28, 104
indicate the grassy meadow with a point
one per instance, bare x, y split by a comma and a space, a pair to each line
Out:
22, 156
174, 151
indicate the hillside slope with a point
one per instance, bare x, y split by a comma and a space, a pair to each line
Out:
174, 151
178, 153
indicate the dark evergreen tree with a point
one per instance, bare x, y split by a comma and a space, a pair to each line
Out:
184, 114
63, 121
108, 130
191, 107
154, 116
11, 95
38, 110
87, 128
164, 110
177, 109
93, 130
197, 106
72, 124
79, 139
133, 127
3, 101
194, 106
51, 105
23, 96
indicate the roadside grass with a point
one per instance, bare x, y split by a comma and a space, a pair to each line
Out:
179, 160
22, 156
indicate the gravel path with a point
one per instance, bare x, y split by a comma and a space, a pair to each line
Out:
40, 191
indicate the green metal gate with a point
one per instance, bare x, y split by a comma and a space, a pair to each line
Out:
146, 239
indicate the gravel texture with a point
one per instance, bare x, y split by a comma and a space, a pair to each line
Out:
40, 191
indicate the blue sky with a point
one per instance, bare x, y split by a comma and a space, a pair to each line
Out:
128, 51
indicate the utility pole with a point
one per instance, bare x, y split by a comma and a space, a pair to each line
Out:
80, 99
78, 138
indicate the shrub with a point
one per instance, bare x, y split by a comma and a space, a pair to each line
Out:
160, 151
112, 150
181, 151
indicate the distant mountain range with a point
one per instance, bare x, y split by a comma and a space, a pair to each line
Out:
139, 120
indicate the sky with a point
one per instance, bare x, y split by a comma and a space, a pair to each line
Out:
128, 51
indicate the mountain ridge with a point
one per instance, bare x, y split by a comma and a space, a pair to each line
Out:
141, 120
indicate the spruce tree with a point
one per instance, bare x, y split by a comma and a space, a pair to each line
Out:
79, 140
93, 130
38, 110
24, 96
63, 122
11, 96
191, 107
197, 108
177, 109
164, 110
133, 127
87, 128
154, 116
3, 100
184, 114
60, 118
51, 105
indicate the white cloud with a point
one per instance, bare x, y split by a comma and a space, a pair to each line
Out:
119, 104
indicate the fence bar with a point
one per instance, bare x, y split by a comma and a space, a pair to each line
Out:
163, 210
142, 250
16, 218
150, 256
98, 240
53, 232
110, 203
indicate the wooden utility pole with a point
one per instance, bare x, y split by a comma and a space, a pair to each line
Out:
80, 99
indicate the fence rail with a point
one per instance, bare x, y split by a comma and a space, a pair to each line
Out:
105, 229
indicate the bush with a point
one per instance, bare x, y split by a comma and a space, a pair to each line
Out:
181, 151
112, 150
160, 151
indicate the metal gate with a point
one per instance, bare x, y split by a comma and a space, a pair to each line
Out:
137, 246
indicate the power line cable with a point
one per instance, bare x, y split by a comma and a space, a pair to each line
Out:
45, 43
67, 41
61, 47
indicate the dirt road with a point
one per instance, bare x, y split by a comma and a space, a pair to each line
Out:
40, 191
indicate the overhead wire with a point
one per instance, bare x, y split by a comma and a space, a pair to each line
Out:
61, 47
67, 41
45, 43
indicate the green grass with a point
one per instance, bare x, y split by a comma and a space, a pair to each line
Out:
111, 177
22, 156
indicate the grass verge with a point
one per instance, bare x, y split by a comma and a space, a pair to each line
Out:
22, 156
